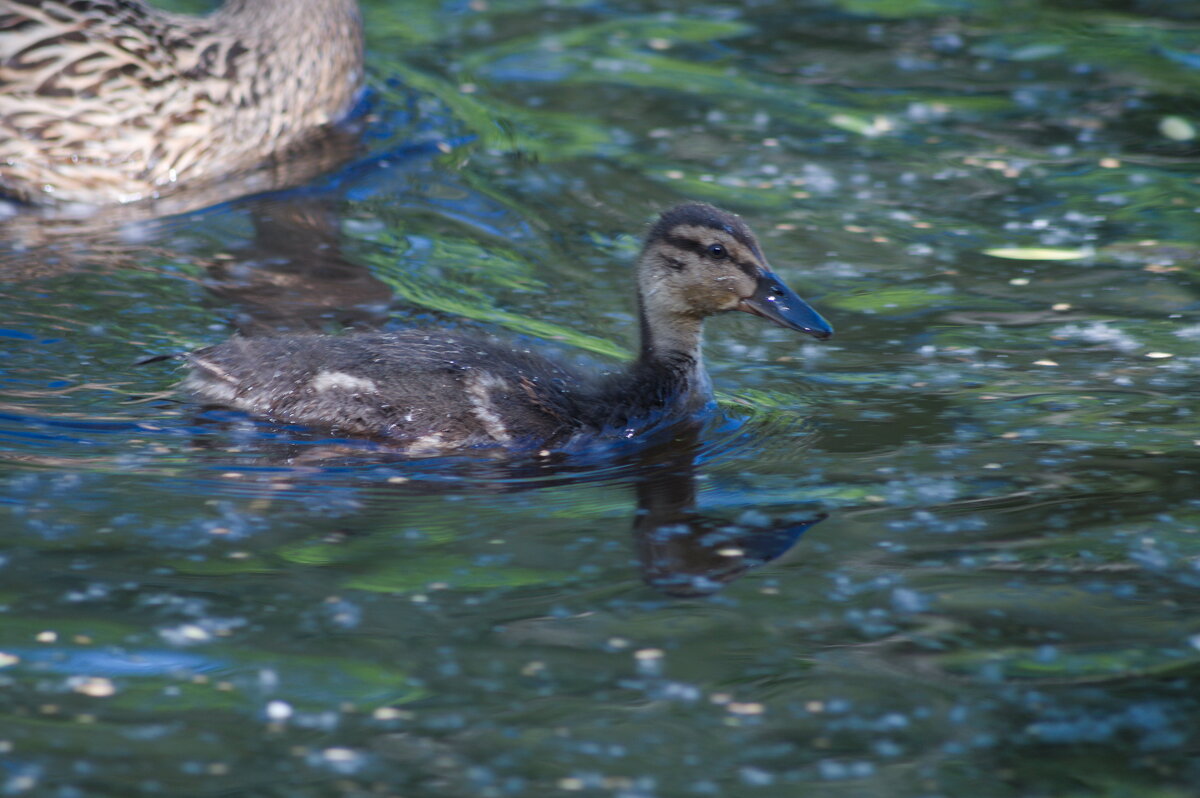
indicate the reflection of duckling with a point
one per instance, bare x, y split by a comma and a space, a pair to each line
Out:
684, 552
434, 392
115, 101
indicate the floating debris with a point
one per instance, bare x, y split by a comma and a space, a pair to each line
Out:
1176, 128
1037, 253
185, 634
279, 711
94, 686
391, 713
649, 661
872, 127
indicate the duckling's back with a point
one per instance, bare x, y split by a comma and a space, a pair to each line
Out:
427, 391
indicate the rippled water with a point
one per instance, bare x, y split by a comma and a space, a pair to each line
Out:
953, 551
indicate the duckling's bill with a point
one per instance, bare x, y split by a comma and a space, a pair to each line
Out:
775, 301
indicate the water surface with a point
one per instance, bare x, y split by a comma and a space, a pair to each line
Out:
952, 551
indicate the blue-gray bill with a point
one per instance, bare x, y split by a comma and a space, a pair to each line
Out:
775, 301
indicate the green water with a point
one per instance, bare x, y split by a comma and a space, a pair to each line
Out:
955, 551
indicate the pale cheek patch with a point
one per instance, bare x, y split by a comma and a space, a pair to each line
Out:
731, 302
712, 297
340, 381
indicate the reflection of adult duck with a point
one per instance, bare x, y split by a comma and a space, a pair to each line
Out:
431, 391
292, 275
111, 101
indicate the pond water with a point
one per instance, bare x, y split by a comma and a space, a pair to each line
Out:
953, 551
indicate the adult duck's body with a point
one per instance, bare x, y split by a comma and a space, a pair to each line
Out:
431, 392
112, 101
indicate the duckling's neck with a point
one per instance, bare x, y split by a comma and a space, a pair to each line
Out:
670, 359
674, 340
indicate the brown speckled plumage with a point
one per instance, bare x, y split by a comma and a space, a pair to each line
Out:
109, 101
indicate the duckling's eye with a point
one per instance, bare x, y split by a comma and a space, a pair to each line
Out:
716, 251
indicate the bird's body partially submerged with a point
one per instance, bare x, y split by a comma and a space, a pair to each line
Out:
110, 101
433, 392
430, 392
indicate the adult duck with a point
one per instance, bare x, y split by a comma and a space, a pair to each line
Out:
430, 391
113, 101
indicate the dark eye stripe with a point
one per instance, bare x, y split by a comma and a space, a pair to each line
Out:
688, 244
749, 268
700, 248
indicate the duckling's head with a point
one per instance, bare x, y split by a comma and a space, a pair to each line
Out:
699, 260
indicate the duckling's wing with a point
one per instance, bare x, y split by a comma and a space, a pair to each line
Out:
209, 368
430, 389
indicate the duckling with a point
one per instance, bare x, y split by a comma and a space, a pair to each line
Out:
432, 392
113, 101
